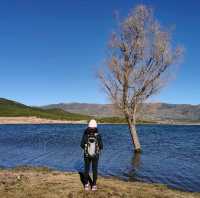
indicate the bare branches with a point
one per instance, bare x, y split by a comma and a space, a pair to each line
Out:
141, 53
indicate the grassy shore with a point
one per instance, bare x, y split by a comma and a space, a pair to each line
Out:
27, 182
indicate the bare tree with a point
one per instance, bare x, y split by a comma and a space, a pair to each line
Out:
140, 54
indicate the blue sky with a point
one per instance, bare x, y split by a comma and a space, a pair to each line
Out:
50, 50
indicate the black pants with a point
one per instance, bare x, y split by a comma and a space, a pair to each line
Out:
94, 162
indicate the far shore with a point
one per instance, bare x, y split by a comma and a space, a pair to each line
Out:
36, 120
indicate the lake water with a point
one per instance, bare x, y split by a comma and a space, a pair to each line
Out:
171, 154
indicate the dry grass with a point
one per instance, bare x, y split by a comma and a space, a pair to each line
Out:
42, 183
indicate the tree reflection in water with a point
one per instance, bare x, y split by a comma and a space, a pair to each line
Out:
135, 162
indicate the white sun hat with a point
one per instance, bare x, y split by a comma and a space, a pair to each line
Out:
92, 124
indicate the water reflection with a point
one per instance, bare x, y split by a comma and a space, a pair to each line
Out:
136, 161
134, 168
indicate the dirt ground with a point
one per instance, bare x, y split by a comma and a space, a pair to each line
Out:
27, 182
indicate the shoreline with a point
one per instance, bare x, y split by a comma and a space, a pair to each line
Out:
36, 120
36, 181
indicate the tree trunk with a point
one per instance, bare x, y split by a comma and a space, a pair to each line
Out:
134, 136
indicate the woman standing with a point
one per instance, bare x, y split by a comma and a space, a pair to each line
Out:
92, 144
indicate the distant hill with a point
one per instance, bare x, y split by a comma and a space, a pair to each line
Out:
149, 111
99, 110
176, 112
9, 108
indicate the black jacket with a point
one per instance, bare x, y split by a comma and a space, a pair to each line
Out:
84, 138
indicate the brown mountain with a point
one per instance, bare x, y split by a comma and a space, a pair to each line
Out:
149, 111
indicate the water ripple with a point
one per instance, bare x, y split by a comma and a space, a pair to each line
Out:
171, 154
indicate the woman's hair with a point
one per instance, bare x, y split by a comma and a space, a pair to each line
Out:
91, 130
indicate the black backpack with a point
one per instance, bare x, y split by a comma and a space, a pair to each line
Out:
91, 146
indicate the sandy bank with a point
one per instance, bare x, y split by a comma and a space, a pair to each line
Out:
35, 120
42, 183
